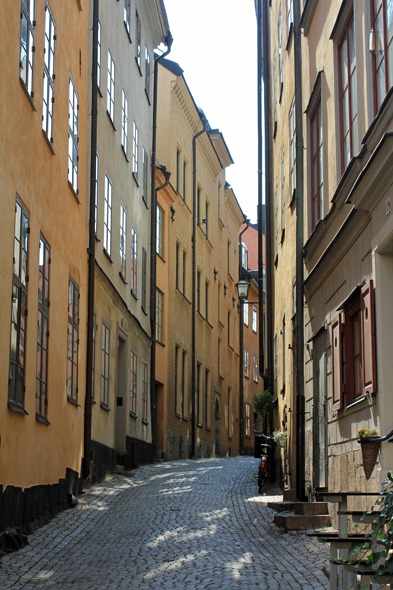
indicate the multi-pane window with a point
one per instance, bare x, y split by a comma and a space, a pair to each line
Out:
138, 41
184, 179
96, 193
133, 382
16, 381
245, 313
160, 230
207, 220
198, 205
73, 139
42, 328
248, 420
254, 319
289, 15
134, 259
27, 26
124, 121
198, 297
147, 72
99, 34
145, 382
280, 52
207, 301
244, 256
107, 215
316, 165
49, 74
207, 400
177, 170
282, 194
123, 240
198, 394
145, 163
144, 277
105, 351
348, 94
184, 272
127, 15
292, 149
72, 340
110, 92
183, 383
176, 380
382, 23
159, 308
177, 264
135, 140
255, 368
246, 363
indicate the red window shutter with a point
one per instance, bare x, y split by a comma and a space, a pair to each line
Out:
369, 365
337, 363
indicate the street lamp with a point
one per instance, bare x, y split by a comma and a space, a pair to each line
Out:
242, 289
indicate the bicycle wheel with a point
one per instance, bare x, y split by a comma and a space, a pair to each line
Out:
261, 479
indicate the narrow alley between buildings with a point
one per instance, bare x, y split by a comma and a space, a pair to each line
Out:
178, 525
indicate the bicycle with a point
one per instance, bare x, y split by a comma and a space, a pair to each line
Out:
262, 451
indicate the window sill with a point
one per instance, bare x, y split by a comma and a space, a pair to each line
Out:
147, 96
209, 324
221, 324
220, 221
97, 238
276, 261
161, 344
145, 202
159, 256
127, 32
182, 295
282, 236
18, 409
199, 425
230, 276
73, 401
133, 293
185, 418
75, 193
208, 428
110, 119
27, 94
256, 381
49, 142
177, 415
289, 36
104, 407
138, 64
144, 421
124, 153
200, 316
247, 376
229, 438
221, 377
229, 346
99, 91
135, 177
275, 130
293, 199
133, 415
41, 419
144, 311
209, 242
123, 278
108, 255
93, 401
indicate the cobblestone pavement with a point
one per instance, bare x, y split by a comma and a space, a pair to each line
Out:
173, 526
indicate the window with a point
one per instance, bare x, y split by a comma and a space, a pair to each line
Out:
49, 74
144, 277
105, 349
147, 73
73, 138
248, 420
184, 272
254, 319
348, 94
289, 15
176, 380
110, 92
133, 382
292, 149
276, 222
282, 196
135, 139
99, 55
207, 301
382, 23
177, 264
177, 170
138, 41
145, 383
123, 240
207, 398
16, 381
255, 368
159, 308
42, 329
145, 164
127, 15
184, 179
198, 301
160, 229
107, 215
198, 205
183, 383
72, 341
246, 363
198, 394
280, 53
124, 121
353, 348
96, 193
316, 165
134, 260
26, 62
244, 256
207, 220
245, 313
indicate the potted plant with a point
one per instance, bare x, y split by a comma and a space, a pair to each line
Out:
369, 444
280, 437
262, 402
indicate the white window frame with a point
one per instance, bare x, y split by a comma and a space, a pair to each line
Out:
99, 32
105, 363
124, 122
245, 312
135, 140
127, 16
254, 320
134, 260
159, 315
292, 149
133, 381
96, 193
123, 240
108, 192
145, 383
49, 73
27, 49
110, 93
160, 231
73, 125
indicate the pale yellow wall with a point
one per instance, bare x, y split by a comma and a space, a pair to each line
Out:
31, 452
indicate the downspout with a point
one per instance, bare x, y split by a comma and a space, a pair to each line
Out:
153, 236
300, 402
241, 351
193, 299
91, 252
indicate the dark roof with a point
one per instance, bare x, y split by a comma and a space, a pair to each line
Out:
172, 66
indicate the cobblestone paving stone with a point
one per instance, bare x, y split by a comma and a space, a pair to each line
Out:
173, 526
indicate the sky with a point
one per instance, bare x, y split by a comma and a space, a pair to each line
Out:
215, 44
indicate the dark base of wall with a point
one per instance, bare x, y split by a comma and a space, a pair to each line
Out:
103, 461
138, 452
32, 507
247, 451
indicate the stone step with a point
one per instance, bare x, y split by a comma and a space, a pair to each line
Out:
295, 522
280, 506
289, 495
304, 508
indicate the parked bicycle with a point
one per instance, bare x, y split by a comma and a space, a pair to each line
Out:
262, 451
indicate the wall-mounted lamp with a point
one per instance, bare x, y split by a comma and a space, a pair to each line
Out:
215, 274
173, 211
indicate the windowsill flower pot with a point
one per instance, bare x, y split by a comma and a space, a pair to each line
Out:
280, 437
369, 444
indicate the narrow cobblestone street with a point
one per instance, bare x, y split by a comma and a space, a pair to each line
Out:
179, 525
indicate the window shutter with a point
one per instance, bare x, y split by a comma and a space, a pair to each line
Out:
368, 339
337, 328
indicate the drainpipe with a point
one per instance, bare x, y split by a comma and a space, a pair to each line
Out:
153, 235
241, 351
193, 312
91, 252
300, 401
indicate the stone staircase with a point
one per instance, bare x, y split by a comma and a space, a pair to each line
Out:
295, 516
